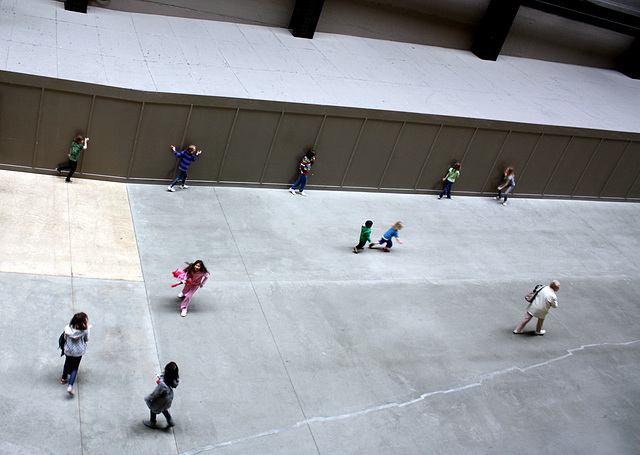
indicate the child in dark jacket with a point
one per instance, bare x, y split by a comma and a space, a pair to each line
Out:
161, 398
365, 236
186, 158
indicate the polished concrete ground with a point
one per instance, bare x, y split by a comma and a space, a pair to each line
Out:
298, 346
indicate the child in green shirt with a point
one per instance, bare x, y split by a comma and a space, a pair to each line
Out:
365, 236
78, 144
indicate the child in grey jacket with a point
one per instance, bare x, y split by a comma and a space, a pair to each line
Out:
161, 398
76, 335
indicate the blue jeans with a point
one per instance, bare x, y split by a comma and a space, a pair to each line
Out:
508, 190
181, 176
388, 242
301, 182
71, 365
447, 189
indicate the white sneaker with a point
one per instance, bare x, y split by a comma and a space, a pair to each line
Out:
183, 313
541, 332
292, 191
504, 203
302, 193
180, 295
184, 187
170, 188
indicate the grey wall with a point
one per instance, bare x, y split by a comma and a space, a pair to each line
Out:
259, 143
444, 23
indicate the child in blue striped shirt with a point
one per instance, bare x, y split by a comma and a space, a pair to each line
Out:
186, 158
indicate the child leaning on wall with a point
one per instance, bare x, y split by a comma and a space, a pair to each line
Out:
186, 156
78, 145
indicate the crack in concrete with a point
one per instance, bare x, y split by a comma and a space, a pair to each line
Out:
382, 407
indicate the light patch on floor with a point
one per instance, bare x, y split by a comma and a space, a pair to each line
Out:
83, 229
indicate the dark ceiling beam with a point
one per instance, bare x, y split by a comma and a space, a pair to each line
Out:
589, 13
494, 28
629, 64
305, 17
496, 23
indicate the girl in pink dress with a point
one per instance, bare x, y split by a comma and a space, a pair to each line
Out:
194, 277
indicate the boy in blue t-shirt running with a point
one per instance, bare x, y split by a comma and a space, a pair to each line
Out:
388, 236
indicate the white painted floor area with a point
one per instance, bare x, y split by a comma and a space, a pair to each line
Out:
169, 54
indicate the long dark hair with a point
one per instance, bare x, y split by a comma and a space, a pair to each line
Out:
189, 268
79, 321
171, 374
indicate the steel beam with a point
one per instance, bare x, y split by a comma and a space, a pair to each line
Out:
304, 19
494, 28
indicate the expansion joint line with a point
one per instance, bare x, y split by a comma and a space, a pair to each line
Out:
404, 404
266, 320
73, 307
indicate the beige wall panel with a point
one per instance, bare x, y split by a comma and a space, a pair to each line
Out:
112, 136
372, 153
625, 174
162, 126
297, 133
634, 191
600, 168
479, 159
571, 166
18, 123
515, 153
208, 130
64, 115
537, 172
410, 154
335, 145
450, 146
249, 147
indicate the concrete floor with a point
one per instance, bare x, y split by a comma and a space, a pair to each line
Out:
298, 346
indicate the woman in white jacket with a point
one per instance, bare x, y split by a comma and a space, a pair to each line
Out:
76, 335
544, 300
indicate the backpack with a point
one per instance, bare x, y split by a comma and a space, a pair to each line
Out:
61, 342
532, 295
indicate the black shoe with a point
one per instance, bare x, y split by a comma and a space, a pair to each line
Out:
149, 423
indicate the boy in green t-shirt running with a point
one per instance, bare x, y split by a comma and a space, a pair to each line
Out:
365, 236
78, 144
